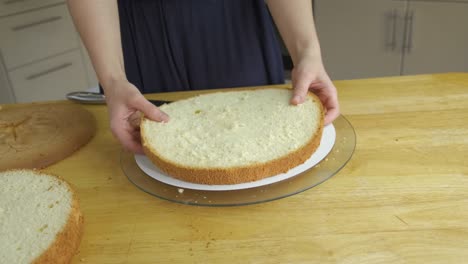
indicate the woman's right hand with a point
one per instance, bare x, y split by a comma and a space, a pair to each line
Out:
125, 106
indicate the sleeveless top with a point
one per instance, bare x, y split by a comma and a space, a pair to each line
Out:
177, 45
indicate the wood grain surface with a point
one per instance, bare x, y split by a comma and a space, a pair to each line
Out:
403, 197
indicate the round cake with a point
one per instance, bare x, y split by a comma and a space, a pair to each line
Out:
38, 135
234, 137
40, 219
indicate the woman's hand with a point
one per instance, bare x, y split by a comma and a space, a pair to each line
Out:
295, 22
125, 105
309, 74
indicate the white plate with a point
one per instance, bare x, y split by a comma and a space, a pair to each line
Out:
326, 145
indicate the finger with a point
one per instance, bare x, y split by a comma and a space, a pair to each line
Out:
331, 115
300, 90
134, 120
135, 148
329, 98
316, 85
130, 143
127, 138
333, 108
136, 136
151, 111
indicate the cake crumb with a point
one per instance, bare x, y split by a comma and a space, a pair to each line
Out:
43, 228
180, 190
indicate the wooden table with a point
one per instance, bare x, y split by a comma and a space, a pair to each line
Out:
403, 197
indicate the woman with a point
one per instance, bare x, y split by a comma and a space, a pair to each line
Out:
141, 46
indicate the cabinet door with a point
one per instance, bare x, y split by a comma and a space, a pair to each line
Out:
9, 7
437, 38
360, 38
49, 79
6, 95
36, 35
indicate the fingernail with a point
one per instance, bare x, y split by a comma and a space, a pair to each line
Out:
297, 99
165, 118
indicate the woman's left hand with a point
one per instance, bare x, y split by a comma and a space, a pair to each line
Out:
309, 74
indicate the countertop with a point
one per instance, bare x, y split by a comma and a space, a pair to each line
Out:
402, 198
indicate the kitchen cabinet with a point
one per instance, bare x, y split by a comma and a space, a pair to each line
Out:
41, 55
439, 38
360, 38
9, 7
368, 38
91, 76
6, 95
50, 79
36, 35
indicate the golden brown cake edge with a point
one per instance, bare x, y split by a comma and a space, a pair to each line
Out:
67, 241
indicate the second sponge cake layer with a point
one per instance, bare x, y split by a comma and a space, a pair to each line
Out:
234, 137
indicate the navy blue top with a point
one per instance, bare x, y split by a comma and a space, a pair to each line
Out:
177, 45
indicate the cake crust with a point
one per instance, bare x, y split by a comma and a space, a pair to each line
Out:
38, 135
240, 174
67, 241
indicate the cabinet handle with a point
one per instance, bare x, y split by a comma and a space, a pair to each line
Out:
51, 70
391, 24
37, 23
9, 2
409, 18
